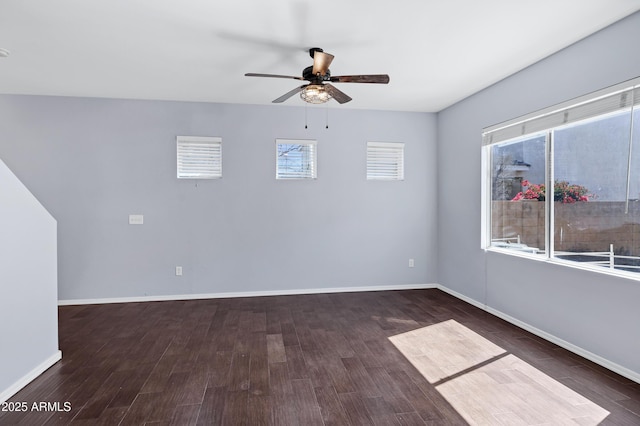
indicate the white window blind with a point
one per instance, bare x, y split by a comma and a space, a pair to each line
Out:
296, 159
620, 97
199, 157
385, 161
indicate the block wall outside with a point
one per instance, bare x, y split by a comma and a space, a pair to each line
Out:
579, 227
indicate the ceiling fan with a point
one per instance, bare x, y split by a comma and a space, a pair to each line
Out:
319, 89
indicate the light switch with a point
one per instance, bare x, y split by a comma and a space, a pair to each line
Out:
136, 219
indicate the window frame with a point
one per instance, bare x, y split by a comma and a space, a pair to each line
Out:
214, 147
579, 111
313, 174
378, 170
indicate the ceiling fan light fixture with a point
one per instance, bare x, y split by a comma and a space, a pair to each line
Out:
315, 94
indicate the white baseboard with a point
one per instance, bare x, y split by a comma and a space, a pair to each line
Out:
623, 371
226, 295
30, 376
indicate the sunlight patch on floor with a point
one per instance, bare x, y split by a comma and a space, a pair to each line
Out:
487, 385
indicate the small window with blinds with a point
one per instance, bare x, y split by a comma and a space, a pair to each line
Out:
385, 161
199, 157
296, 159
563, 183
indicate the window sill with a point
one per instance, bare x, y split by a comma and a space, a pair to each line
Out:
635, 276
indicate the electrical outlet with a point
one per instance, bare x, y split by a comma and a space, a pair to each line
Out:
178, 271
136, 219
411, 263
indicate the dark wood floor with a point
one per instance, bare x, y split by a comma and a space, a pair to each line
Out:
288, 360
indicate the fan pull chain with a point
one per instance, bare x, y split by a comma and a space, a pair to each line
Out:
326, 126
305, 116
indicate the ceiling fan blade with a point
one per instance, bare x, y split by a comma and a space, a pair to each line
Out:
288, 94
321, 62
253, 74
374, 78
336, 94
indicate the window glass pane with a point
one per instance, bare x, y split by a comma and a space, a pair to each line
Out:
296, 160
517, 195
591, 213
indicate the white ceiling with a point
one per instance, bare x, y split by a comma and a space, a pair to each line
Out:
436, 52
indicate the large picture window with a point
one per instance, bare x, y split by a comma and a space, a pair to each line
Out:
564, 183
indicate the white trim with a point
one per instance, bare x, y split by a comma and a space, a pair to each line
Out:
583, 266
616, 368
485, 195
225, 295
30, 376
462, 297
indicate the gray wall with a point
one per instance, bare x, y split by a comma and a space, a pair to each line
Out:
595, 312
28, 305
92, 162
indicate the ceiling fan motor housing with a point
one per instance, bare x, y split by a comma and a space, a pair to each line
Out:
307, 74
313, 51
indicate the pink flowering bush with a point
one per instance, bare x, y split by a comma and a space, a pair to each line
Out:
562, 191
530, 192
